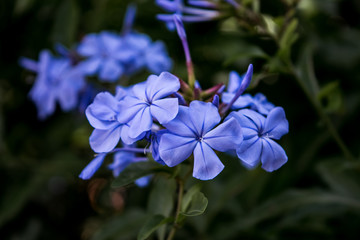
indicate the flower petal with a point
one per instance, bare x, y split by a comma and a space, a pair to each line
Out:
90, 66
181, 125
129, 107
105, 140
204, 116
110, 71
92, 167
249, 119
89, 45
234, 82
162, 86
276, 124
165, 110
226, 136
207, 165
249, 151
141, 123
174, 149
273, 156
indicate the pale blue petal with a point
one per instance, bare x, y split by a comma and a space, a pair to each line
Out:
204, 116
138, 90
243, 101
234, 82
181, 124
161, 86
143, 182
89, 45
45, 60
125, 135
207, 164
273, 156
91, 65
28, 64
226, 136
110, 71
105, 140
249, 119
68, 98
141, 123
276, 124
249, 151
165, 110
157, 59
110, 41
174, 149
92, 167
129, 107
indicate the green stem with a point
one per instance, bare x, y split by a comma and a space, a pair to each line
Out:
178, 208
325, 118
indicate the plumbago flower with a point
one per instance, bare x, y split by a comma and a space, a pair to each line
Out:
147, 101
209, 11
258, 103
57, 81
192, 131
111, 55
121, 160
259, 131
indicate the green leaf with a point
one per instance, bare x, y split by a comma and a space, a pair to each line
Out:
342, 176
138, 170
161, 200
189, 195
331, 94
197, 206
306, 74
286, 204
151, 225
271, 25
287, 40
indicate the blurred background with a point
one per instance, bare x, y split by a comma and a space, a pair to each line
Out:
310, 67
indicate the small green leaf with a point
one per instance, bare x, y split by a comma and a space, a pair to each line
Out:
331, 94
271, 25
287, 40
138, 170
151, 225
189, 195
197, 206
306, 74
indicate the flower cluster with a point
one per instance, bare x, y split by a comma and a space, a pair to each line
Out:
105, 55
181, 121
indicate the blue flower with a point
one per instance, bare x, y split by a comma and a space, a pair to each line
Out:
147, 101
57, 81
92, 167
139, 52
259, 132
102, 115
187, 14
258, 103
103, 55
124, 159
120, 161
192, 131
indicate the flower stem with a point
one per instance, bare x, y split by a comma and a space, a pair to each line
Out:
189, 64
178, 208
